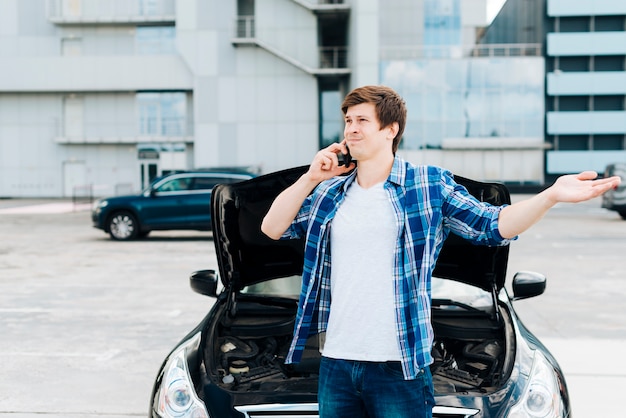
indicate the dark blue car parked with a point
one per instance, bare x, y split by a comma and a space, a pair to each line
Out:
175, 201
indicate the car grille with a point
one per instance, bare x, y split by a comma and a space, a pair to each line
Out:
310, 410
451, 412
279, 410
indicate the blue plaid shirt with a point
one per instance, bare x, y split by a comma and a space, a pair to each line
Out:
428, 204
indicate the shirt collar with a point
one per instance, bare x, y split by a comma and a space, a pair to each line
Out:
397, 175
398, 172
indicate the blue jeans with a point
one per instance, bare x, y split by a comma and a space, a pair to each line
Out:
374, 390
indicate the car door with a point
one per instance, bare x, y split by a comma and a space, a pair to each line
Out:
199, 199
166, 206
199, 203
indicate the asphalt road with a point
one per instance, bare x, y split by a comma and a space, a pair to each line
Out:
85, 321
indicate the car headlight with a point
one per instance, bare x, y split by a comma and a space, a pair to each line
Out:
99, 204
542, 395
177, 397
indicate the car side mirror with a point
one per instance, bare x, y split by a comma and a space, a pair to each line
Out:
528, 284
204, 282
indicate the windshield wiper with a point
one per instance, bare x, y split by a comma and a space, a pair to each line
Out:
441, 303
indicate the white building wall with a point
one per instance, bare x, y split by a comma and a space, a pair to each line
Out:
32, 163
364, 40
586, 7
288, 27
247, 106
594, 43
585, 83
251, 107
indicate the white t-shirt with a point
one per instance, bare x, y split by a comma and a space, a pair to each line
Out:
363, 238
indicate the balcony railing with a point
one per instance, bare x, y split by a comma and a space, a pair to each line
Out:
244, 27
324, 6
329, 57
333, 57
506, 50
461, 51
111, 11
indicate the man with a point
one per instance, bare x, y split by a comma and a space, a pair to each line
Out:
372, 240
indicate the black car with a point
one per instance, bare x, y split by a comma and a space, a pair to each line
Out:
616, 199
487, 364
175, 201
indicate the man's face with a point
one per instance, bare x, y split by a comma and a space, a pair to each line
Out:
363, 134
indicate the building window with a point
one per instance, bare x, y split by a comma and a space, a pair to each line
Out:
73, 123
155, 40
609, 63
468, 98
331, 118
573, 103
573, 24
71, 47
601, 103
72, 8
162, 114
573, 63
245, 19
442, 24
573, 143
610, 23
608, 142
150, 7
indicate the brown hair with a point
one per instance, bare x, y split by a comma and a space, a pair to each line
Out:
390, 107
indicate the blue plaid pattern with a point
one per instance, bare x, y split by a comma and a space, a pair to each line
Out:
428, 205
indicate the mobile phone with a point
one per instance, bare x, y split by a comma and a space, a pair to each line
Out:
347, 158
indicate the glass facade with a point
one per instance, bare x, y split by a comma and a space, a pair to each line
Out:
468, 98
162, 114
155, 40
331, 118
442, 25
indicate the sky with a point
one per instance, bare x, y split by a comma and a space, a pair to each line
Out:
493, 7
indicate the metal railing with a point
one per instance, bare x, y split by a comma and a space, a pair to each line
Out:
82, 194
333, 57
329, 57
507, 50
86, 194
108, 10
244, 27
460, 51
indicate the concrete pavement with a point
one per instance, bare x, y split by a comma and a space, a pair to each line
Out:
86, 321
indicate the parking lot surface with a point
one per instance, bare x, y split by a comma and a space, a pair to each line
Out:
85, 322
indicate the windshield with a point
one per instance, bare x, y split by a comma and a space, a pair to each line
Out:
288, 287
473, 296
442, 289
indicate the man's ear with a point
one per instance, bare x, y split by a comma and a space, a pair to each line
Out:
393, 130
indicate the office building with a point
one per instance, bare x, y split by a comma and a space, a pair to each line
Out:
585, 62
104, 95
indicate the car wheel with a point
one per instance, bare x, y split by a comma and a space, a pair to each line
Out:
123, 226
622, 214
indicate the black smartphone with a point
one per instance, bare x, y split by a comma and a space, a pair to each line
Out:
347, 158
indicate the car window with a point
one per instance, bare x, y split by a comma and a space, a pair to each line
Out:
175, 185
207, 183
204, 183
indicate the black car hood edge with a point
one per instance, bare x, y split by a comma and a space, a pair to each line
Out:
247, 256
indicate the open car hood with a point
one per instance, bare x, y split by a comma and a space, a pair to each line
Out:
247, 256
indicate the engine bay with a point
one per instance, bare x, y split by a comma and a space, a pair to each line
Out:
469, 354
